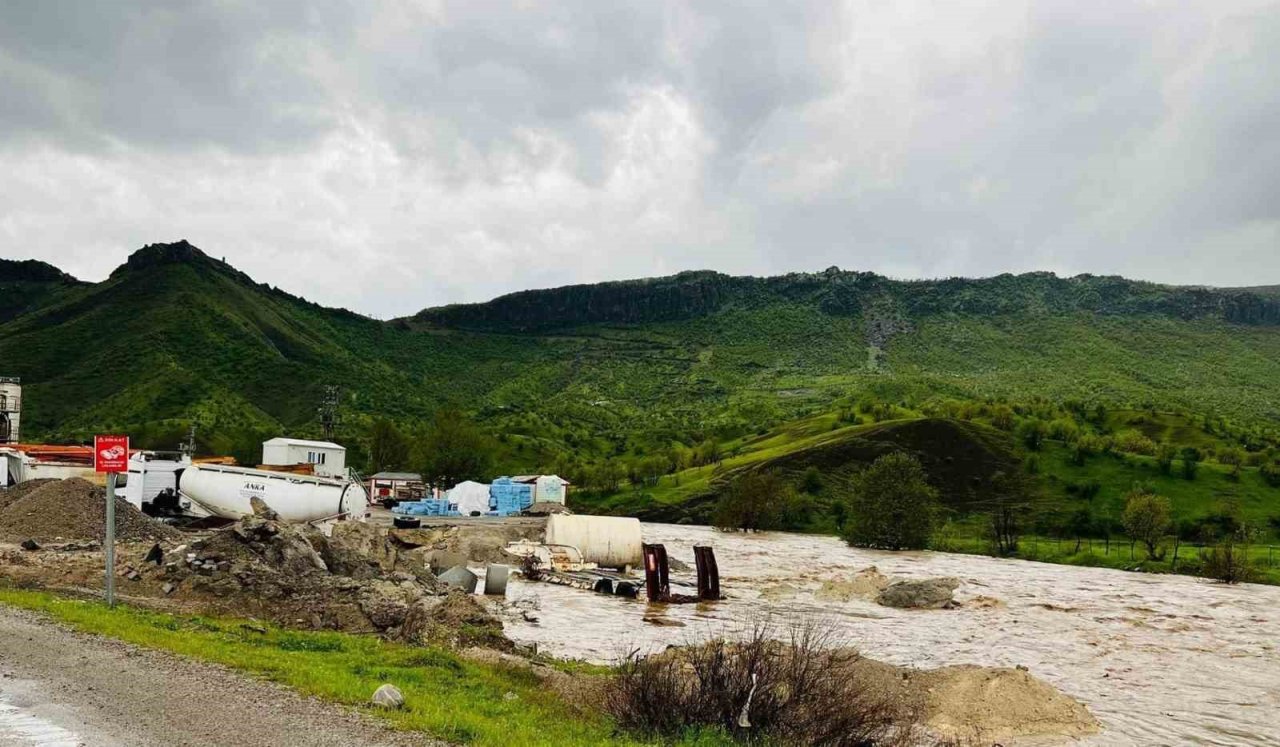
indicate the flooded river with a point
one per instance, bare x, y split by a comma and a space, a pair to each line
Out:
1158, 659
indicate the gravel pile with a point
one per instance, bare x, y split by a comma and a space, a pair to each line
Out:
10, 495
73, 509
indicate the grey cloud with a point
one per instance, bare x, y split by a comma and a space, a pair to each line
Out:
482, 147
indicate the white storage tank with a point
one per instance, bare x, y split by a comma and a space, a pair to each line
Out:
227, 492
607, 541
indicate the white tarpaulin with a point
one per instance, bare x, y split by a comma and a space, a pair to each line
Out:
469, 497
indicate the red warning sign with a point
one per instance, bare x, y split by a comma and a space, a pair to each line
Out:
110, 453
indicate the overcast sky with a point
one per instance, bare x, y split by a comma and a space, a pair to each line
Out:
391, 156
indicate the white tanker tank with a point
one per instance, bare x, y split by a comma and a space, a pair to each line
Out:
607, 541
226, 492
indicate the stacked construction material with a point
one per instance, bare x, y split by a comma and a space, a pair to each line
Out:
508, 497
429, 507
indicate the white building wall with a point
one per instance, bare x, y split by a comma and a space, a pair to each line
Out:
11, 407
329, 460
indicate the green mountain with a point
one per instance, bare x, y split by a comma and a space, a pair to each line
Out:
28, 285
592, 372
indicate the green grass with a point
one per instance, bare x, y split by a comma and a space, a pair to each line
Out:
1211, 490
447, 696
1119, 555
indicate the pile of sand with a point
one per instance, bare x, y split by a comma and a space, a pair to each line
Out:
72, 509
969, 704
865, 584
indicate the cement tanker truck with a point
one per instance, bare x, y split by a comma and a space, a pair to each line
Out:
226, 491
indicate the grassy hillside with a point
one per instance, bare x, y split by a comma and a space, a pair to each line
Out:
582, 376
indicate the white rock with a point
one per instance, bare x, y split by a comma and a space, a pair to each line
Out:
388, 696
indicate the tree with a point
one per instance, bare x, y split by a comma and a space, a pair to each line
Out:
388, 447
1190, 462
1135, 442
892, 506
452, 449
1012, 497
1270, 472
1233, 457
1165, 454
752, 503
1080, 523
811, 481
1147, 518
1032, 433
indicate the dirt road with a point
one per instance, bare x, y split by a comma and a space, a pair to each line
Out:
61, 688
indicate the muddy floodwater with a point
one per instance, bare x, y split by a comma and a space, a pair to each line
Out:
1158, 659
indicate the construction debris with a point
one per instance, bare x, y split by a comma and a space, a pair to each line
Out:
460, 577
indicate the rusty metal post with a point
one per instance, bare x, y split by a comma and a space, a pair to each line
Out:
708, 572
656, 573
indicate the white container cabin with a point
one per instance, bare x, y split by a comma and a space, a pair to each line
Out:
326, 458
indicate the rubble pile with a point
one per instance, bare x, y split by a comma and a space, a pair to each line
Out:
72, 509
359, 579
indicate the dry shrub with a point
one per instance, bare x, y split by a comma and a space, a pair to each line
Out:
797, 690
1228, 562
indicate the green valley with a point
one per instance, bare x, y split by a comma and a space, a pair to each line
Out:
652, 395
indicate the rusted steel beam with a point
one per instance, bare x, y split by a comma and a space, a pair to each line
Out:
708, 572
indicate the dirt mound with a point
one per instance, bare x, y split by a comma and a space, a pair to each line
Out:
978, 705
74, 509
457, 619
9, 495
923, 594
999, 704
546, 508
865, 584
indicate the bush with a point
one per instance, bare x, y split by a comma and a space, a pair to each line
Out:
752, 503
892, 506
1190, 462
1228, 562
1135, 442
1270, 472
799, 691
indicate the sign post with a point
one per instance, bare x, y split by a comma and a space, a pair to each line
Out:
111, 455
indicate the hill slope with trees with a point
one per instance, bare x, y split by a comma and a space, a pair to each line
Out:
573, 378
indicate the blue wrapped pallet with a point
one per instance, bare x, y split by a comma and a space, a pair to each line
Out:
429, 507
507, 497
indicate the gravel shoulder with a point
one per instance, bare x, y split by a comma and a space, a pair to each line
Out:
59, 686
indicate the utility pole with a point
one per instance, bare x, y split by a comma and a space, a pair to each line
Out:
329, 411
189, 446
